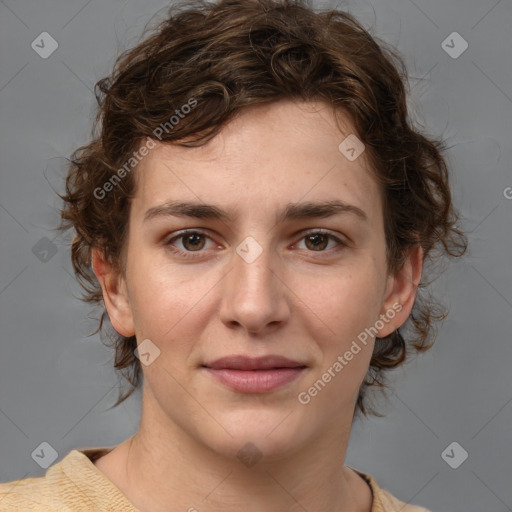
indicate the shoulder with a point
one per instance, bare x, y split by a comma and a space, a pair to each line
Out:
391, 503
384, 501
73, 484
29, 494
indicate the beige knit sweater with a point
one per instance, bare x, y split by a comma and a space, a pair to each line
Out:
75, 484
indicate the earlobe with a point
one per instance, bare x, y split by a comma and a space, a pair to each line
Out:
115, 296
401, 291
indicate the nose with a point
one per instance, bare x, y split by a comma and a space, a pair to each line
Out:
254, 294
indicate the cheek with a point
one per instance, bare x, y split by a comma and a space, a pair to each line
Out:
159, 298
348, 305
171, 306
348, 301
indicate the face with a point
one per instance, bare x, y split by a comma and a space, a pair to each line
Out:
269, 278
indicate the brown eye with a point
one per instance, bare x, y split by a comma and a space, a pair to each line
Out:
192, 241
317, 241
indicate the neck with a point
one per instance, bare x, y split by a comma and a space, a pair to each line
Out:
163, 468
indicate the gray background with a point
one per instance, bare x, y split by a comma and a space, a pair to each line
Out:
56, 383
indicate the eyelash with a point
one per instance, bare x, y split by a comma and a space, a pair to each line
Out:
192, 254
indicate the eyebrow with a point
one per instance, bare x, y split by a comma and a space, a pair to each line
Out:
292, 211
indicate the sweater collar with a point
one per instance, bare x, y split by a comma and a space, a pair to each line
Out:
84, 458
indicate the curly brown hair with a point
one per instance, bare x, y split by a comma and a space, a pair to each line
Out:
228, 56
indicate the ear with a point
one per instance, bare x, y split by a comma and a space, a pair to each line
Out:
115, 294
401, 291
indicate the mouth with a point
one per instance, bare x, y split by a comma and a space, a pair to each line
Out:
255, 375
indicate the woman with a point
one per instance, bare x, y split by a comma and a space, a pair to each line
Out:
254, 215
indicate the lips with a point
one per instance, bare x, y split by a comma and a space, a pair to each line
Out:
255, 375
250, 363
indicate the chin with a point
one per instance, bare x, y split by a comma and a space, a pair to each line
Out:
256, 434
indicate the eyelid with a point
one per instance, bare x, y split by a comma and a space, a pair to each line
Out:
180, 234
323, 231
301, 234
342, 242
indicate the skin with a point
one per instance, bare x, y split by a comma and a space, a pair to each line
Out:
294, 300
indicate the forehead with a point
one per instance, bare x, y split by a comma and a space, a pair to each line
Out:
267, 156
